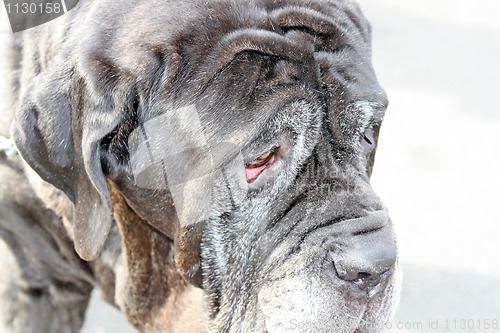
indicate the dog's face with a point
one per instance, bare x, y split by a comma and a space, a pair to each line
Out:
247, 135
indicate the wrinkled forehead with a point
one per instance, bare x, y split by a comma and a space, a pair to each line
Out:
228, 58
298, 32
247, 51
199, 38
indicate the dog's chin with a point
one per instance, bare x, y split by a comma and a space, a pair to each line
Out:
305, 304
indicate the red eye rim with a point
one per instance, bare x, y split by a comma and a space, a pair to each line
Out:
254, 168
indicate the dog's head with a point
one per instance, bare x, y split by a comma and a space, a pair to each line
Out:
243, 131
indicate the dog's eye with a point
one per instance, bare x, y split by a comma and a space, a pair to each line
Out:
261, 160
369, 136
255, 167
368, 140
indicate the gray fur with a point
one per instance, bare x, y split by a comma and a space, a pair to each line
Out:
135, 122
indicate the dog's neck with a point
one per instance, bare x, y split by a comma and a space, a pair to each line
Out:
149, 290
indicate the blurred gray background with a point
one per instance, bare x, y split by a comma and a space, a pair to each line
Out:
438, 162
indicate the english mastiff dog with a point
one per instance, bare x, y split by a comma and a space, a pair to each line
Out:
205, 165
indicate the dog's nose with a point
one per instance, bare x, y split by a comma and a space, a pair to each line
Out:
365, 277
367, 251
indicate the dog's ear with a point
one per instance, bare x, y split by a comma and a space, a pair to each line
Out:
187, 252
58, 131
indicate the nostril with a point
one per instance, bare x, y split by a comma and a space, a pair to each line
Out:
361, 278
367, 281
347, 272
